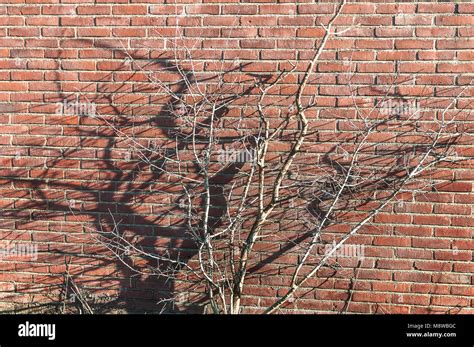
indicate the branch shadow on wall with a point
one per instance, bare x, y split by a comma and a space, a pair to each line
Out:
114, 193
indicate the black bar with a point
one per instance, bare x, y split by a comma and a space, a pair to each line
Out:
312, 330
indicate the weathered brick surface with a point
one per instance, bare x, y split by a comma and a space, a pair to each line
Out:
62, 175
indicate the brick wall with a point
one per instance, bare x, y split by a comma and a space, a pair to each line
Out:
64, 174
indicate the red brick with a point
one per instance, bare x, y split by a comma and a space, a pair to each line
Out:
412, 277
428, 243
391, 241
359, 8
395, 264
393, 8
129, 9
431, 220
455, 20
453, 67
434, 32
394, 32
413, 20
435, 8
315, 8
466, 8
451, 278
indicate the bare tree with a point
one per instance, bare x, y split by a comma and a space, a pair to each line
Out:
239, 172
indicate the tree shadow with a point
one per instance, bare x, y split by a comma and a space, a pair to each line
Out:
114, 191
108, 192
